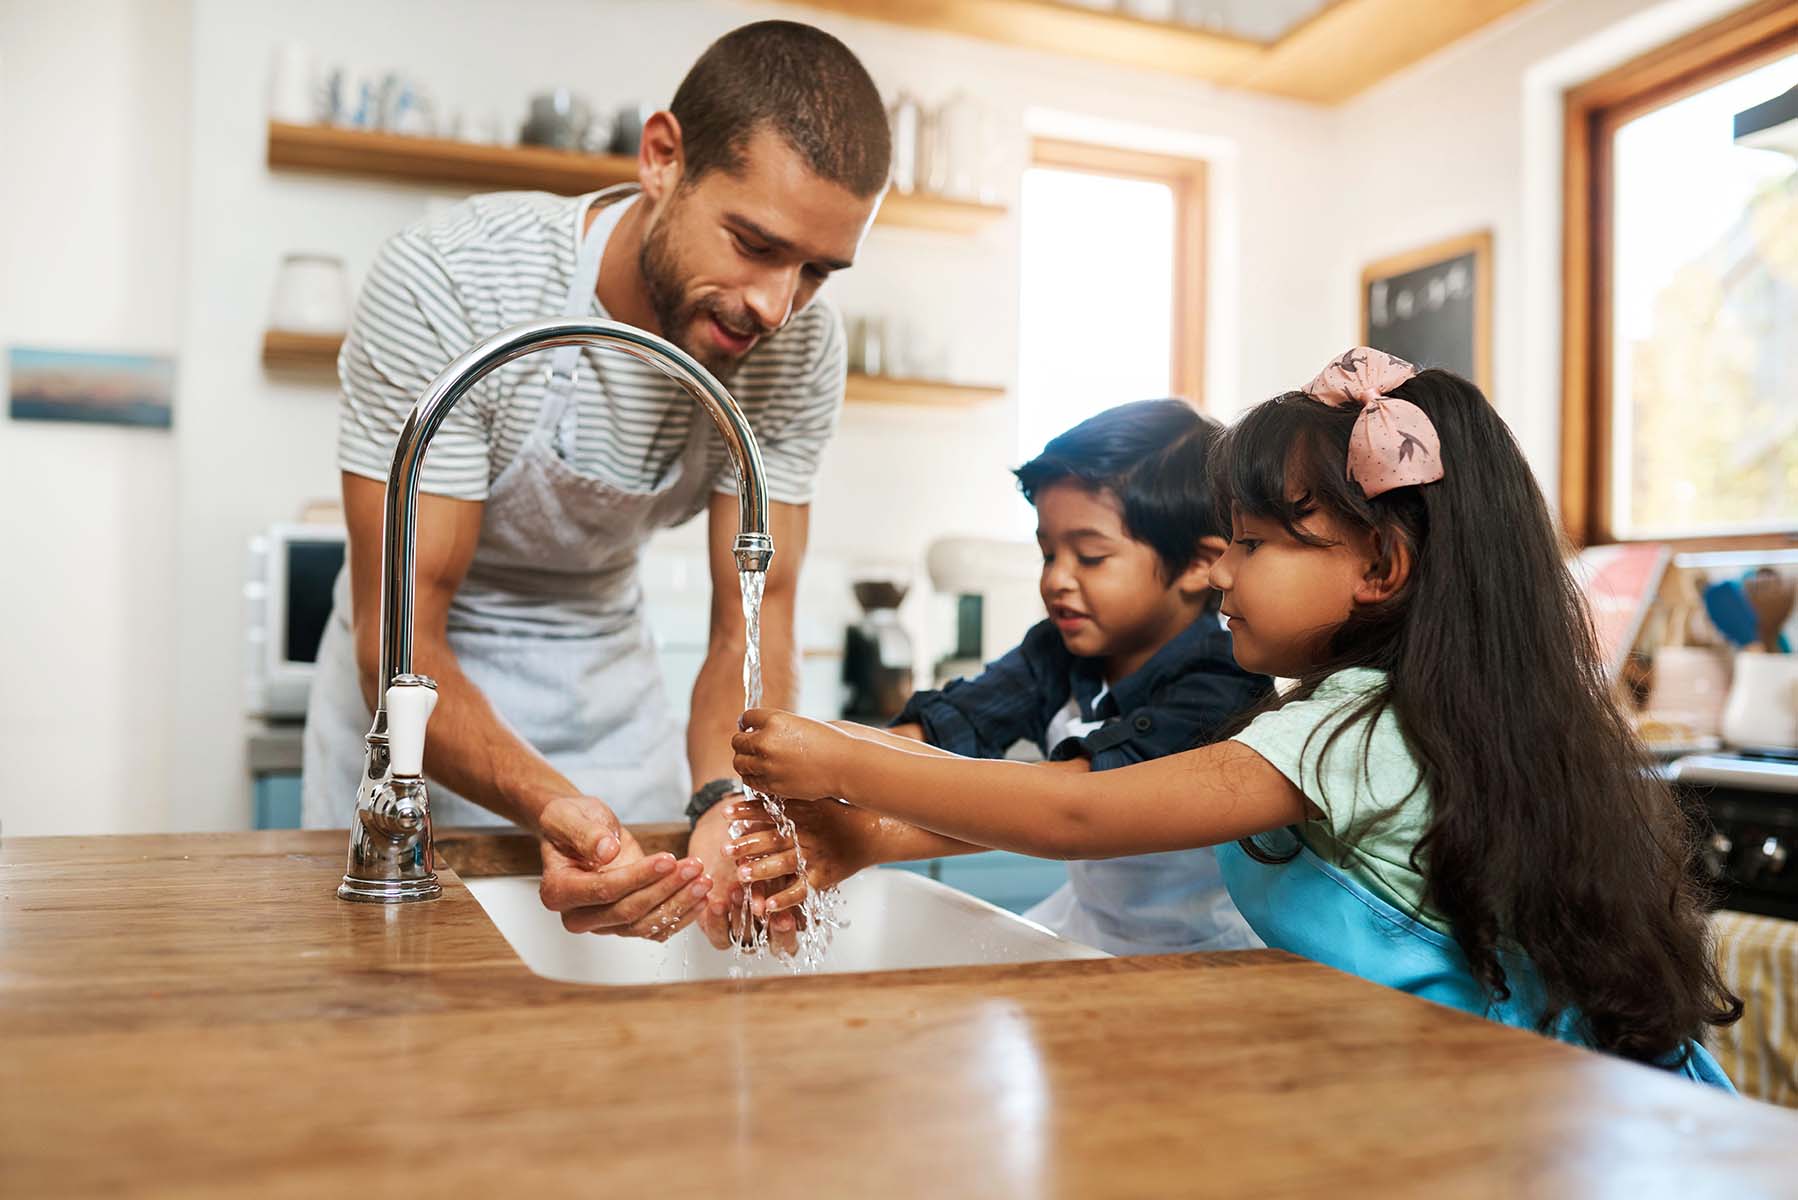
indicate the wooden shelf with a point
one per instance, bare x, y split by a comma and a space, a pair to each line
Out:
937, 214
312, 351
927, 393
300, 351
440, 161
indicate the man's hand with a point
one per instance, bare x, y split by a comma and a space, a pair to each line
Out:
746, 834
598, 878
726, 898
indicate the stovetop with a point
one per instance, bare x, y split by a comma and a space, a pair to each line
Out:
1750, 770
1750, 801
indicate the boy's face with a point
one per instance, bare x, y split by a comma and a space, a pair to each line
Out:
1105, 591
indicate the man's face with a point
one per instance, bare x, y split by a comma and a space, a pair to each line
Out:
728, 260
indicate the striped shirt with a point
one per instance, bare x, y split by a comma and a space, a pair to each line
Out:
497, 260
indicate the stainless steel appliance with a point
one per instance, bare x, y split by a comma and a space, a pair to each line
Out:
1751, 802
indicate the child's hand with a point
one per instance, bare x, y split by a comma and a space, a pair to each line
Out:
789, 756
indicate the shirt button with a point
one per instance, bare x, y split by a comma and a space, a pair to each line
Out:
1143, 724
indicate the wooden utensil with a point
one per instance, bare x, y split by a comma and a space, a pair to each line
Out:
1771, 596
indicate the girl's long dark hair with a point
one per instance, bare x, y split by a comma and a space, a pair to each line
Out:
1548, 834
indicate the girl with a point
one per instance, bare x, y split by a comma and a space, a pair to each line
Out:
1448, 801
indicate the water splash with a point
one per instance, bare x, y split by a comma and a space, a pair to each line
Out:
820, 912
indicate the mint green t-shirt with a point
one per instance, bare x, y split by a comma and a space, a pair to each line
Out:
1359, 778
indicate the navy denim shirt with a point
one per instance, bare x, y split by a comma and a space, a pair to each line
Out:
1179, 699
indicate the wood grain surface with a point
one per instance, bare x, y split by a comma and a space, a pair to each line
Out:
201, 1016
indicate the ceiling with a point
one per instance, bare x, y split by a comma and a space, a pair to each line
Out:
1321, 51
1264, 21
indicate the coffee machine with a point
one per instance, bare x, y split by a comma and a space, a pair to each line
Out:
877, 653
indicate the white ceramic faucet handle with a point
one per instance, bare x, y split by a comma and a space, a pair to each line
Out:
410, 699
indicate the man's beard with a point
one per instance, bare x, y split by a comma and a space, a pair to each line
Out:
662, 275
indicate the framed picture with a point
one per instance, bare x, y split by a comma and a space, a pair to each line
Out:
1433, 306
85, 385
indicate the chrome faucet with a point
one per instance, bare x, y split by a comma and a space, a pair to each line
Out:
391, 858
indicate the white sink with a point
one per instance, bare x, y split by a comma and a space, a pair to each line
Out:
896, 921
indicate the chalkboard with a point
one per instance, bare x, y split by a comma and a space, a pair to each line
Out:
1433, 306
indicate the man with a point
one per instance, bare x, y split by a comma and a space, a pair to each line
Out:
543, 483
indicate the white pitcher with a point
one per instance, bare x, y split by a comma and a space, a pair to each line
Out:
1762, 710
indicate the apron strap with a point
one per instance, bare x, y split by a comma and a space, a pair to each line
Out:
579, 300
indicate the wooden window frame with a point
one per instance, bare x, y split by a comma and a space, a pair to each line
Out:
1594, 112
1187, 177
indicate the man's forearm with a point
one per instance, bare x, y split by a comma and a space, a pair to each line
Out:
472, 751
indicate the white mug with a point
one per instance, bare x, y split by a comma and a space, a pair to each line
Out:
312, 295
293, 87
1762, 710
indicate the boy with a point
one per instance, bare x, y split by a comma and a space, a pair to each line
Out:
1132, 663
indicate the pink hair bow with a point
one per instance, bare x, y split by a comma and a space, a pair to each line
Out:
1393, 444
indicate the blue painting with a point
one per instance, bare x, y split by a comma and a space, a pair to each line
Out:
85, 385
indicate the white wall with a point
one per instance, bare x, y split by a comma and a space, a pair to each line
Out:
93, 116
1471, 139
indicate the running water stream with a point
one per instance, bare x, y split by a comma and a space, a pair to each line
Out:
820, 913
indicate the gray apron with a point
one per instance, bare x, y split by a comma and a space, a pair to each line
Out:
549, 621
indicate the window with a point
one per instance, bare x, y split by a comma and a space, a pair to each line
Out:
1682, 294
1112, 283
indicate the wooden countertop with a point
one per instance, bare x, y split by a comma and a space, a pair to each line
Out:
199, 1015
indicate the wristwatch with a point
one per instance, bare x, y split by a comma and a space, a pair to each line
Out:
706, 797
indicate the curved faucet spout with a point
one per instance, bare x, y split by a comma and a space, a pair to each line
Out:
391, 854
754, 546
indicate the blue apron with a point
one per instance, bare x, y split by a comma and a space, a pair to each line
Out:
1310, 908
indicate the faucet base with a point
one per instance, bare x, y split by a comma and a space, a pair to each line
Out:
391, 859
389, 891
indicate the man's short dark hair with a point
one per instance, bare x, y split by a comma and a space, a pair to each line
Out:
800, 82
1152, 456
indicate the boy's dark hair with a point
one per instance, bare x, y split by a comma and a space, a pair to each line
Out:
802, 83
1152, 456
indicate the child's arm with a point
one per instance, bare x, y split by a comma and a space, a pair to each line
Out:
900, 841
1214, 794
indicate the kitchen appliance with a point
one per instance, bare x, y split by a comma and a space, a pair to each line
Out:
287, 594
877, 653
1751, 802
987, 597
